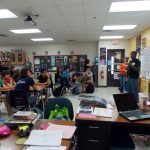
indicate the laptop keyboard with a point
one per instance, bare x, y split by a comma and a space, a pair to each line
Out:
133, 113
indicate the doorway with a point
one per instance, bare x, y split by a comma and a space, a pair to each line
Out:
114, 57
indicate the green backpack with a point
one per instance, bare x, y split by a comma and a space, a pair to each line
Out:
59, 113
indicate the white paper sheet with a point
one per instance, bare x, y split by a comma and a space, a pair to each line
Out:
103, 112
68, 131
44, 138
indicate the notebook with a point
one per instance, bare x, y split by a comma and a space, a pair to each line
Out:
128, 108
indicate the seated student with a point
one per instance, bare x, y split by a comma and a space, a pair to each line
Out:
88, 75
76, 83
43, 78
3, 94
87, 78
8, 81
66, 77
12, 71
26, 82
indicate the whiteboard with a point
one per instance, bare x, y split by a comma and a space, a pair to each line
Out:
145, 63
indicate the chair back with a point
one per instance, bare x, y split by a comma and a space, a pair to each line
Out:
19, 99
61, 102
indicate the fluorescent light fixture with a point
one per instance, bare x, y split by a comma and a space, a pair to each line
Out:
5, 13
119, 27
111, 37
22, 31
43, 39
130, 6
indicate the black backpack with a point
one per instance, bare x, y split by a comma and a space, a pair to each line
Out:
90, 88
58, 91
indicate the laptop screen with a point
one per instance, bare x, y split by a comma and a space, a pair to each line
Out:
125, 102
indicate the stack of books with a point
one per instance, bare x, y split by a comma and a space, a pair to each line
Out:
24, 115
21, 117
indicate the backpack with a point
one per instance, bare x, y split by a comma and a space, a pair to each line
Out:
59, 113
90, 88
58, 91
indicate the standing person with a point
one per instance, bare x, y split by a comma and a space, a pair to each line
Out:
133, 75
123, 68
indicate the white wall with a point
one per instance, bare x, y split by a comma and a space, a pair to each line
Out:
90, 49
123, 44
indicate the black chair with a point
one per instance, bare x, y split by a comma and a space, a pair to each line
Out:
61, 102
19, 99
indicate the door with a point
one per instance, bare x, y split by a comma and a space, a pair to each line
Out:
114, 57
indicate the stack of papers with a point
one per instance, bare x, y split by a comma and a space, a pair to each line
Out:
44, 138
103, 112
68, 131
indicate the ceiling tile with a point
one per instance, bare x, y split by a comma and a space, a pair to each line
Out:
74, 18
35, 3
47, 11
11, 4
67, 2
71, 9
96, 7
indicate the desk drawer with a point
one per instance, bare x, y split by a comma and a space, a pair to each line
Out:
96, 130
93, 135
92, 144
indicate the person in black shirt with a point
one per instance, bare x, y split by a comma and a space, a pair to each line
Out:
133, 75
44, 77
26, 83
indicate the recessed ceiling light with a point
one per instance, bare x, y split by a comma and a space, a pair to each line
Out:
5, 13
111, 37
119, 27
43, 39
130, 6
22, 31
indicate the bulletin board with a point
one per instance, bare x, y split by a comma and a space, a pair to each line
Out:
145, 63
51, 62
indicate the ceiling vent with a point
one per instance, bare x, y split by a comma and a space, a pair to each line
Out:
72, 40
3, 35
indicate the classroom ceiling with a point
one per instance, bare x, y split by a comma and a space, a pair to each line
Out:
64, 20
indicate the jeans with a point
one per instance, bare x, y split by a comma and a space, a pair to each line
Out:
122, 79
133, 88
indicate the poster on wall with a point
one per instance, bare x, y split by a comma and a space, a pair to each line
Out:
102, 75
102, 69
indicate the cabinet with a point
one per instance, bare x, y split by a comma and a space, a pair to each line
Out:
93, 135
17, 57
5, 58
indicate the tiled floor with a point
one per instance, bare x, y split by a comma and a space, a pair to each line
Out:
105, 93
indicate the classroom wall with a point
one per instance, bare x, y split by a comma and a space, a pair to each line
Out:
132, 45
123, 44
144, 34
90, 49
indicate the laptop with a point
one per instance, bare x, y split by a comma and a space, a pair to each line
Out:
128, 108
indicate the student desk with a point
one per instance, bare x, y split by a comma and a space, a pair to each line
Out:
10, 140
96, 133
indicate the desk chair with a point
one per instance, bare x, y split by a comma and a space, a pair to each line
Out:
61, 102
19, 99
